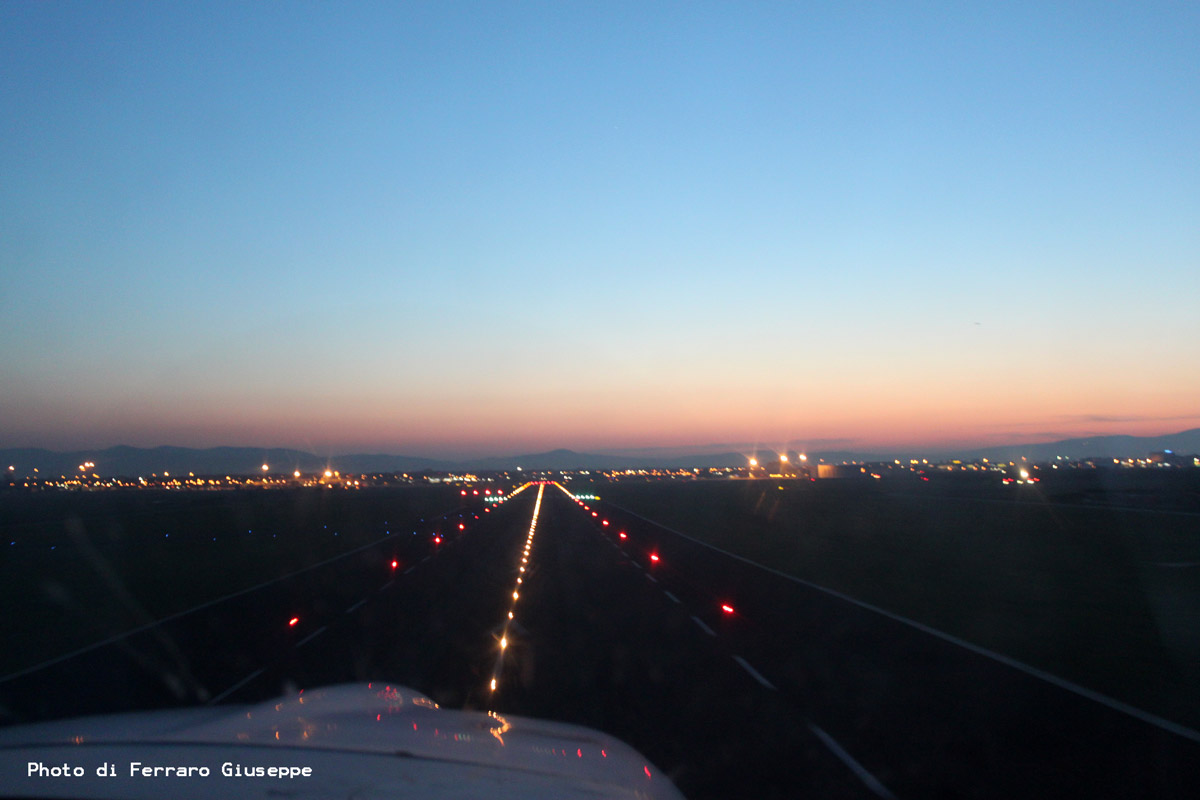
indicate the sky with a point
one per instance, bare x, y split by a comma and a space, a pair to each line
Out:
465, 229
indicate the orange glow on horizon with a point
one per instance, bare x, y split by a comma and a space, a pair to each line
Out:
879, 416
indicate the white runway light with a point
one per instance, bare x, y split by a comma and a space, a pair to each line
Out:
537, 507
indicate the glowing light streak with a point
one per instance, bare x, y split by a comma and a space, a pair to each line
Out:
516, 594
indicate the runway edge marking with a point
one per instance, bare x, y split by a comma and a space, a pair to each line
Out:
1062, 683
858, 769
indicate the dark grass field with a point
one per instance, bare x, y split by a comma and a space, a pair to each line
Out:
1094, 580
78, 568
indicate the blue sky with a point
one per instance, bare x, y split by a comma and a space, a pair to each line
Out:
477, 228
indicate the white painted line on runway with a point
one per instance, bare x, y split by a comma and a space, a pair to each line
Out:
704, 627
650, 577
1040, 674
426, 558
410, 569
356, 606
311, 636
674, 599
236, 686
754, 673
858, 769
386, 585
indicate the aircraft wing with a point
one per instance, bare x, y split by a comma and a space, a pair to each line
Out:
370, 740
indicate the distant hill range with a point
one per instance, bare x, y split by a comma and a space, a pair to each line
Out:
133, 461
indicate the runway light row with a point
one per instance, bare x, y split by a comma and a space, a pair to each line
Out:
516, 595
654, 558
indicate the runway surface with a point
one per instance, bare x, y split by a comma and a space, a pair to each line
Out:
735, 681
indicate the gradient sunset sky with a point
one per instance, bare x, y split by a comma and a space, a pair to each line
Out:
460, 229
